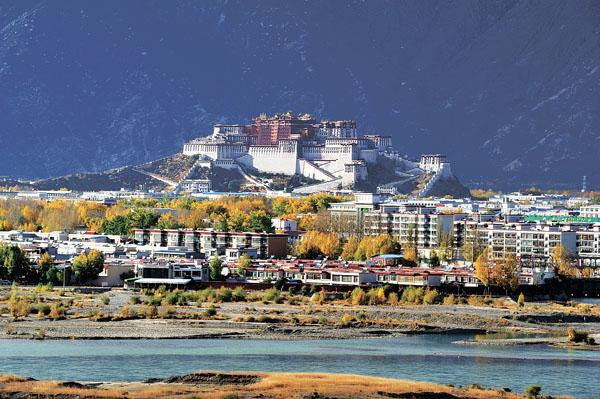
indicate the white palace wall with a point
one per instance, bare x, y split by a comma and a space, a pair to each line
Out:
281, 158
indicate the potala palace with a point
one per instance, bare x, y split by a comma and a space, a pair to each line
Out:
329, 152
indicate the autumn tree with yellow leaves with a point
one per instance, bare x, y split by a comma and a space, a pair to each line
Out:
483, 267
562, 261
505, 273
315, 243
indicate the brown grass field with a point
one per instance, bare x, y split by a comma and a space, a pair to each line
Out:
222, 385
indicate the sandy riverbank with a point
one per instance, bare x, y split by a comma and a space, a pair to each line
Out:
213, 385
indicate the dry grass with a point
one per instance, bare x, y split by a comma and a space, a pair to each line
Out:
282, 385
270, 385
8, 378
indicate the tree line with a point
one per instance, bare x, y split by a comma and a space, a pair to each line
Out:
228, 213
16, 266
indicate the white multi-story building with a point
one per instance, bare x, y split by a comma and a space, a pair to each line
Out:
590, 211
532, 243
432, 162
195, 186
422, 226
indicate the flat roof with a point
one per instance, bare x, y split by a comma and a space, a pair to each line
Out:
177, 281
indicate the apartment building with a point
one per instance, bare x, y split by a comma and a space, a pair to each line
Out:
408, 223
588, 249
531, 242
211, 243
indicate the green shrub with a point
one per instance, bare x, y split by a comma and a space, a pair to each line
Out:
153, 301
207, 295
224, 295
104, 299
135, 300
532, 391
176, 298
576, 336
361, 316
272, 295
305, 290
44, 310
211, 311
238, 295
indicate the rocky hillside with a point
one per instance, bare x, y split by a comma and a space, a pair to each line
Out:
508, 89
145, 176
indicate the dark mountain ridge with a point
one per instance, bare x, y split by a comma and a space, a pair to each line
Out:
509, 90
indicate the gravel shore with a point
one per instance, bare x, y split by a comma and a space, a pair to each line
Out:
260, 320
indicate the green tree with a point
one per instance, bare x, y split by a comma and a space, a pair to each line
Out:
44, 264
221, 222
118, 225
86, 267
14, 265
260, 221
434, 260
142, 218
216, 267
53, 276
471, 250
244, 262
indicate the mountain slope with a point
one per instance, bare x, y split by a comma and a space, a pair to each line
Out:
508, 90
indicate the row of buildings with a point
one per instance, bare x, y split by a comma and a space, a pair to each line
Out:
504, 227
210, 243
179, 258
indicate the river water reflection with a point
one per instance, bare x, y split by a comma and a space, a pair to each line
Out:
424, 357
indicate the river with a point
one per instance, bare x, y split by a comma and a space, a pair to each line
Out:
423, 357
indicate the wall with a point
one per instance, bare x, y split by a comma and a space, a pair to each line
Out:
281, 158
315, 188
310, 170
